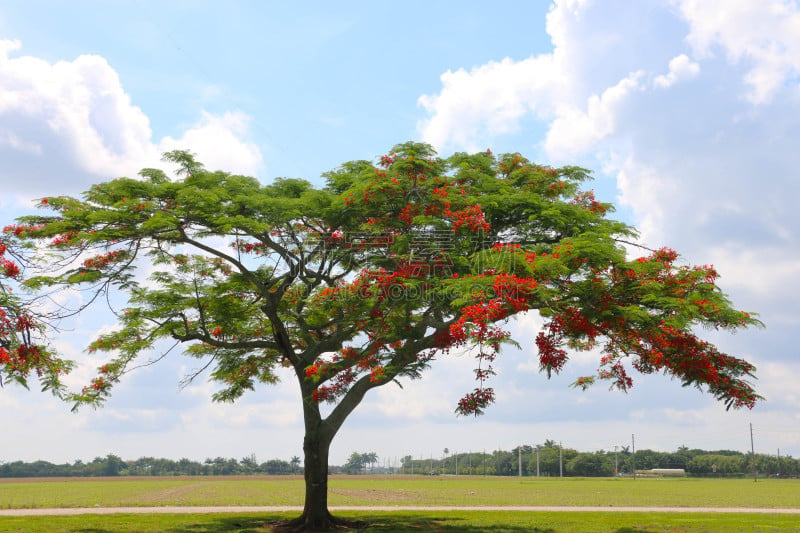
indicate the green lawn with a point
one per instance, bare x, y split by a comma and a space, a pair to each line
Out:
408, 490
402, 490
453, 522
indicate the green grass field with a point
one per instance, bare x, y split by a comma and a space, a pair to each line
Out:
400, 490
449, 522
408, 490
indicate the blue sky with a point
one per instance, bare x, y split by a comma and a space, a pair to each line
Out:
687, 113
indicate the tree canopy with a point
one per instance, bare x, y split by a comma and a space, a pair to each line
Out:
373, 276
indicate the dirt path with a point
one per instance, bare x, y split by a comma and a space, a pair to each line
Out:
189, 510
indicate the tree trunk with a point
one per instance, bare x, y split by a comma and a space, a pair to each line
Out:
316, 444
315, 515
319, 434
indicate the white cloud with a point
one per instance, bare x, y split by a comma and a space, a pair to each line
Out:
763, 35
575, 131
492, 99
66, 125
74, 110
488, 100
681, 68
218, 143
645, 190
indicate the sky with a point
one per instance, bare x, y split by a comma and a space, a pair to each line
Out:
688, 114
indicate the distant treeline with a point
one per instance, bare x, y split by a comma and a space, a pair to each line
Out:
548, 459
112, 465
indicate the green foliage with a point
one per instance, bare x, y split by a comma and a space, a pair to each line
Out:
387, 267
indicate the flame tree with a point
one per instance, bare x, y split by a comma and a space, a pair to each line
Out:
374, 276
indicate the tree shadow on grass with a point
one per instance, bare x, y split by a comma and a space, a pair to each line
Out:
376, 524
389, 524
447, 524
383, 524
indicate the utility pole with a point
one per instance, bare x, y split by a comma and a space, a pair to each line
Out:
560, 460
519, 460
753, 450
537, 460
484, 461
616, 461
456, 456
633, 454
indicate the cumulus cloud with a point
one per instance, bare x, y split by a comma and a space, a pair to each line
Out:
576, 130
680, 68
763, 36
68, 124
67, 116
579, 89
648, 193
573, 88
219, 143
488, 100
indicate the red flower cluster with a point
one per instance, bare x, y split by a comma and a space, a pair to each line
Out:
551, 356
103, 260
587, 200
472, 217
476, 401
22, 230
10, 269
